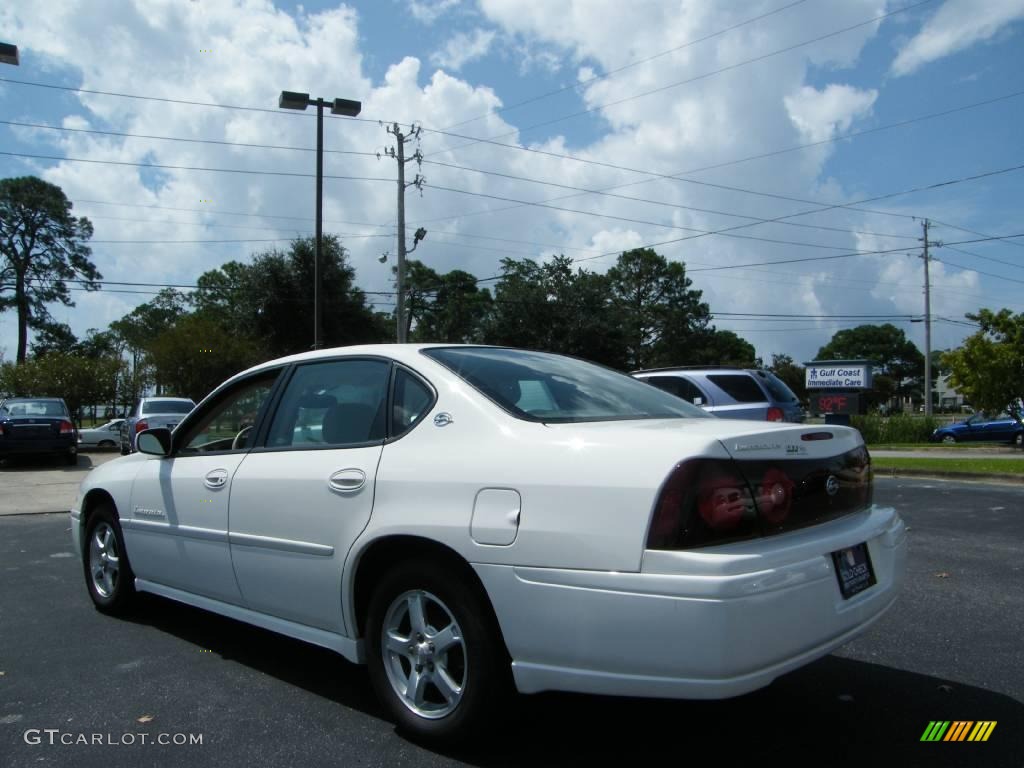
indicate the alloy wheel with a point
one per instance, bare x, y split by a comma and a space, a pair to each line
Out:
104, 560
424, 654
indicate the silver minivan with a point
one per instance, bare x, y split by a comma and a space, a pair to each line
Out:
730, 393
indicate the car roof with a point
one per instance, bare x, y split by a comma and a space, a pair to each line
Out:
33, 399
700, 369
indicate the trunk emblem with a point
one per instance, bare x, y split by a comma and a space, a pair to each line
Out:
832, 485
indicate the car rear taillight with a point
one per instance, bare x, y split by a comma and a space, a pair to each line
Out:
703, 502
67, 428
140, 425
776, 414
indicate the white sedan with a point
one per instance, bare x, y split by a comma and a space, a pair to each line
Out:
104, 436
467, 520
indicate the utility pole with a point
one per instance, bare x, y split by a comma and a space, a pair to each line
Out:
927, 324
398, 152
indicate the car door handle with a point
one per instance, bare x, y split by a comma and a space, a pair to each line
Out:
347, 480
216, 478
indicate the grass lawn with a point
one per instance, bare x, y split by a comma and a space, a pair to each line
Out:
986, 466
931, 446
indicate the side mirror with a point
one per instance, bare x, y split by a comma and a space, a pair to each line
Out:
155, 442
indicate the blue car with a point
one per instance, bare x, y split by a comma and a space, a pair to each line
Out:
982, 428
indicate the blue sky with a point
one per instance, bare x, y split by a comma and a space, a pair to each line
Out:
442, 63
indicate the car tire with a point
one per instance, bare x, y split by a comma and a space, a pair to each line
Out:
108, 574
949, 438
462, 688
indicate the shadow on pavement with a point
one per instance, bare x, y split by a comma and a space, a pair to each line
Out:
840, 711
42, 462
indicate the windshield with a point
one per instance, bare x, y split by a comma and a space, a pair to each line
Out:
167, 406
36, 408
537, 386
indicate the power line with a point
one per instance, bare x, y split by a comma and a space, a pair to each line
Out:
703, 76
183, 139
658, 202
980, 272
630, 220
1016, 265
191, 167
613, 72
969, 231
186, 102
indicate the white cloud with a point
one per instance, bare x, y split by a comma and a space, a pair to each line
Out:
820, 115
957, 25
463, 48
258, 50
429, 11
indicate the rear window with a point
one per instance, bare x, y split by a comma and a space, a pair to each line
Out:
777, 387
741, 387
36, 408
167, 406
537, 386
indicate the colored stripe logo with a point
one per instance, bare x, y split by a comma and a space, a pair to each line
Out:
958, 730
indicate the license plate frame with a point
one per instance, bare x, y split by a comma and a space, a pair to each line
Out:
854, 570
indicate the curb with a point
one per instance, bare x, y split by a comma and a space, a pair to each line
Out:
939, 474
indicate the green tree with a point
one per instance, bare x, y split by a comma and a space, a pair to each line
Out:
79, 380
53, 337
894, 355
550, 307
989, 367
718, 347
271, 299
448, 308
663, 318
42, 247
793, 375
134, 335
198, 353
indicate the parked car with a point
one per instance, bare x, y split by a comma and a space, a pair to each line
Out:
730, 393
982, 427
37, 425
105, 436
151, 412
468, 519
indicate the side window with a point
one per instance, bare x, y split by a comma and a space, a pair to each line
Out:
680, 387
229, 424
412, 400
332, 404
741, 387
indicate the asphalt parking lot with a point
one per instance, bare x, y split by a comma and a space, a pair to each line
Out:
950, 650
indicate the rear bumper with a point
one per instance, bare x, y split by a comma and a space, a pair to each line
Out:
700, 624
63, 445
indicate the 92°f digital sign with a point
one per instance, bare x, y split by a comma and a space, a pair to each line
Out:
838, 376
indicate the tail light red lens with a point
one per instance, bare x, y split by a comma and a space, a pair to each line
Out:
776, 414
775, 496
67, 428
140, 425
703, 502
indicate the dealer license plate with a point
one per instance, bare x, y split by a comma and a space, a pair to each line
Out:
853, 569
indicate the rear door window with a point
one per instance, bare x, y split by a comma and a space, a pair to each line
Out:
680, 387
741, 387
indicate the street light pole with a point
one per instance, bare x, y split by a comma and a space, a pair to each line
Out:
319, 220
348, 108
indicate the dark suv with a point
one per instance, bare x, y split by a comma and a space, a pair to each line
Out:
37, 425
730, 393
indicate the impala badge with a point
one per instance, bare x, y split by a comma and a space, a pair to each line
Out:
443, 419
